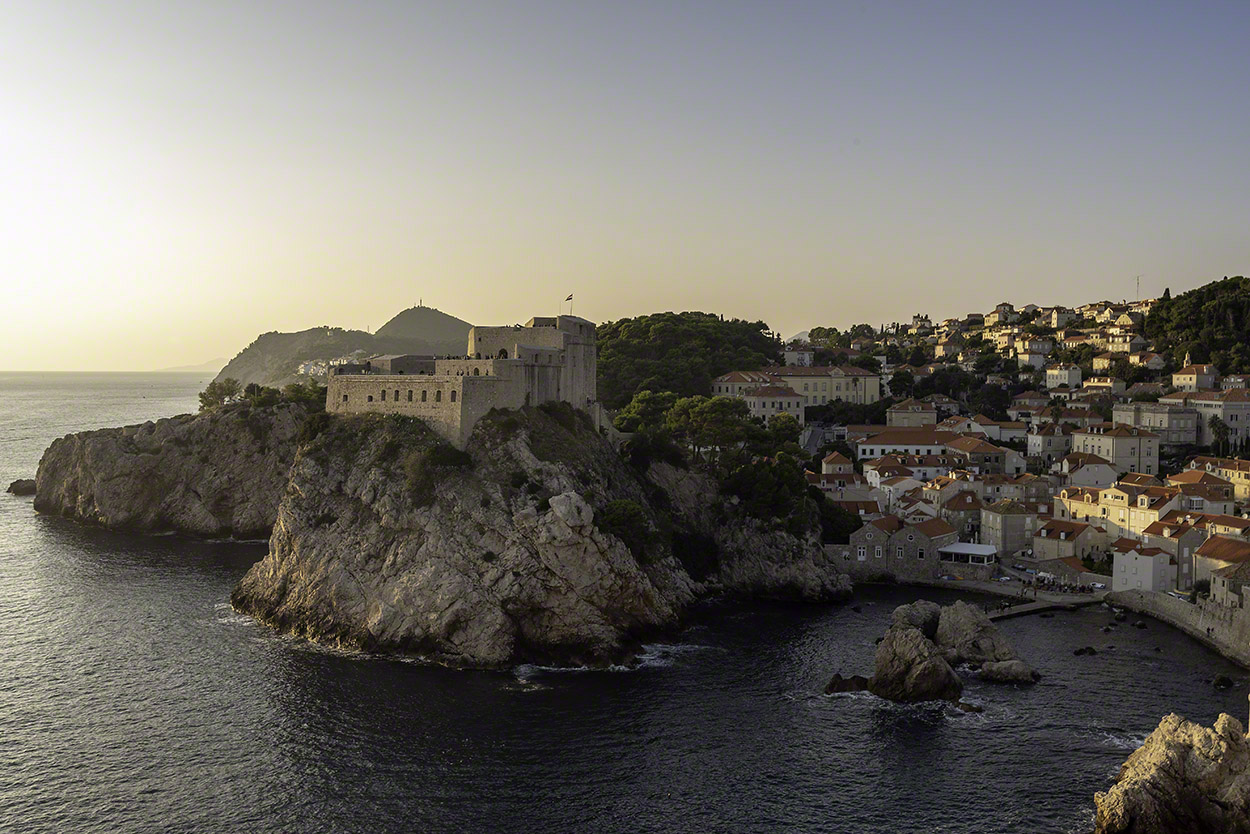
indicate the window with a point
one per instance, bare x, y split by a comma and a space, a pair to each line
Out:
862, 553
876, 551
920, 553
383, 395
370, 398
344, 398
898, 552
438, 396
409, 395
453, 396
423, 395
477, 371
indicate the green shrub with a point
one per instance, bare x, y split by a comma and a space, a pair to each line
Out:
425, 468
313, 425
627, 520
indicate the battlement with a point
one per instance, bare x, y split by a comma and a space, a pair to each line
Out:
551, 359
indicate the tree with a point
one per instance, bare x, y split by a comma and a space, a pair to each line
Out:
1219, 432
645, 411
219, 392
902, 383
918, 357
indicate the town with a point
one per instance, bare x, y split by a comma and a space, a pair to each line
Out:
1107, 466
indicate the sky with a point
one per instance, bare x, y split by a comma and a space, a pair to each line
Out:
176, 178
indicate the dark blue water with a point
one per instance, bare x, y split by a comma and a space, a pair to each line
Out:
132, 699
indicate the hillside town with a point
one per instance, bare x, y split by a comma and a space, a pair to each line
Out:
1046, 445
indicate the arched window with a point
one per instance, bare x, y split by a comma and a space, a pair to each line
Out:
409, 395
423, 395
503, 353
370, 398
438, 396
453, 396
383, 395
396, 395
477, 371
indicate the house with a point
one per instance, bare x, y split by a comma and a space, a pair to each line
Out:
1083, 469
1147, 360
889, 547
1067, 539
1008, 525
1195, 377
1049, 442
799, 353
980, 455
1104, 385
1062, 317
1232, 407
1235, 381
944, 404
1176, 425
1126, 448
767, 401
1233, 470
1063, 374
1227, 585
893, 489
815, 385
962, 511
1135, 567
1181, 540
1125, 343
904, 441
1219, 552
911, 413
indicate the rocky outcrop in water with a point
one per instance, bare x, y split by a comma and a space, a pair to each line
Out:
910, 668
22, 486
539, 543
915, 659
218, 474
1185, 777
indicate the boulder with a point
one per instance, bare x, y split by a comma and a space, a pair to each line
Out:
920, 614
855, 683
1222, 682
909, 668
966, 635
1185, 777
1009, 671
22, 486
1085, 650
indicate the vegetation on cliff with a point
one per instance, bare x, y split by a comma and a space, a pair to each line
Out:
1210, 323
678, 352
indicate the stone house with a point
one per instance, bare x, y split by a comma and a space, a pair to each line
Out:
1008, 525
1193, 378
767, 401
1219, 552
1068, 539
1227, 585
888, 547
1176, 425
911, 413
1136, 567
1126, 448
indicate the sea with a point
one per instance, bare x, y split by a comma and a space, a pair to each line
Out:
133, 699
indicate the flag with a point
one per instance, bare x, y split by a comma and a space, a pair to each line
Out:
570, 298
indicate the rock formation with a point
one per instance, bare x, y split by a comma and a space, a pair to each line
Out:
915, 658
537, 544
218, 474
910, 668
1185, 777
22, 486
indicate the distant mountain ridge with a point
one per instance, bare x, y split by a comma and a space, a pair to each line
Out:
274, 358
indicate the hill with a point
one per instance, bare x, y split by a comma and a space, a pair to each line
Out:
273, 358
1210, 323
678, 352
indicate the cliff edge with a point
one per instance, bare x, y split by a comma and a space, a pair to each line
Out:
1185, 777
218, 474
538, 543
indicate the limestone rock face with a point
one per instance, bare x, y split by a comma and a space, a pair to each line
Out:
967, 635
215, 475
22, 486
909, 668
515, 552
920, 614
1185, 777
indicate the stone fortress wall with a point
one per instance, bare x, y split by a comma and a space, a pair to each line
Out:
548, 360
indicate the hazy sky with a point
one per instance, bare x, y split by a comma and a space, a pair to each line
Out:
176, 178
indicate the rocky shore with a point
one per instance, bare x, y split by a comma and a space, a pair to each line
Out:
220, 474
1184, 778
540, 543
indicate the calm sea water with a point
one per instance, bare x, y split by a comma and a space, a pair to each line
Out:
132, 699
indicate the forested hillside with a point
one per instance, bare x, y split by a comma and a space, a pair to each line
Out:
1210, 323
678, 352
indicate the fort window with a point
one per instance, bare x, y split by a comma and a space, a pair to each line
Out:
396, 395
423, 395
370, 398
344, 398
438, 396
503, 353
477, 371
453, 396
410, 395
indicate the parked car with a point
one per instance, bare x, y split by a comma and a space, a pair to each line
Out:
1098, 586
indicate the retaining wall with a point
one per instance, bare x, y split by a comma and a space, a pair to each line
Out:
1229, 627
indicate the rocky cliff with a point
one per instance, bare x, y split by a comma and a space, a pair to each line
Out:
537, 544
219, 474
1185, 777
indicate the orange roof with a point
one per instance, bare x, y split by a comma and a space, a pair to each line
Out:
1052, 529
934, 527
836, 457
773, 391
1224, 549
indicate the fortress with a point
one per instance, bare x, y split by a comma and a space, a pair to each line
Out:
549, 359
